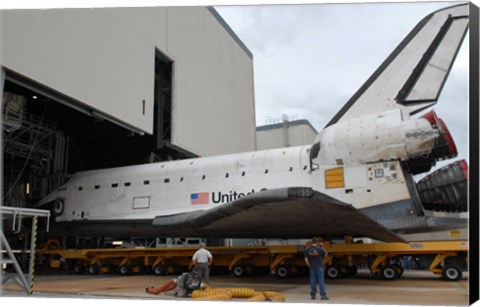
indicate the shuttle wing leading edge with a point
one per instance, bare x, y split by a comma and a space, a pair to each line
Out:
286, 212
413, 76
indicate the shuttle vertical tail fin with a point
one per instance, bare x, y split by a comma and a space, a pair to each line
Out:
412, 77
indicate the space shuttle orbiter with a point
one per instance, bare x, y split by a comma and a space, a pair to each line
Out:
356, 179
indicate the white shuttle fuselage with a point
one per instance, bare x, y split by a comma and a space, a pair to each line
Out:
356, 178
359, 162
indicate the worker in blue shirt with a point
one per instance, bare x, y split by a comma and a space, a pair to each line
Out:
314, 259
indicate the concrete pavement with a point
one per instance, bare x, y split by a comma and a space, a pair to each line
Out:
414, 288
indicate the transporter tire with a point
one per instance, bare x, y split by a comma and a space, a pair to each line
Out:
160, 270
94, 269
147, 270
138, 269
125, 270
79, 269
172, 269
106, 269
451, 273
239, 271
389, 272
333, 272
283, 271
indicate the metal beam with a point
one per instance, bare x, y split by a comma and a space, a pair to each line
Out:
20, 277
2, 83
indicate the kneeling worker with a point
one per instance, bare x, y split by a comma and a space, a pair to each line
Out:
184, 285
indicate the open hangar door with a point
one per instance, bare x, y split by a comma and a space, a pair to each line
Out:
47, 137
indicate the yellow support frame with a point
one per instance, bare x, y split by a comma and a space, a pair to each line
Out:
271, 257
380, 261
440, 261
236, 260
280, 259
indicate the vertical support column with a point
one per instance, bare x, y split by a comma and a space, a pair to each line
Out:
2, 84
20, 278
33, 244
286, 125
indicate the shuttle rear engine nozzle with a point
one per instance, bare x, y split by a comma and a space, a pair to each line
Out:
445, 147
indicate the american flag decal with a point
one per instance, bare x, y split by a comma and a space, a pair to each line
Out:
199, 198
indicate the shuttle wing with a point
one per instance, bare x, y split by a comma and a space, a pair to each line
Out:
412, 77
279, 213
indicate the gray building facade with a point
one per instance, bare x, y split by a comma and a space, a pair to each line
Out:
105, 87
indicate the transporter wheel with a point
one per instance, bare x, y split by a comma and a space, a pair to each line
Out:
239, 271
451, 273
106, 269
389, 272
79, 269
125, 270
171, 269
333, 272
147, 270
160, 270
138, 270
93, 269
283, 271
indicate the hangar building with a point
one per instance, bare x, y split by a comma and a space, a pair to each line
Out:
96, 88
285, 133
